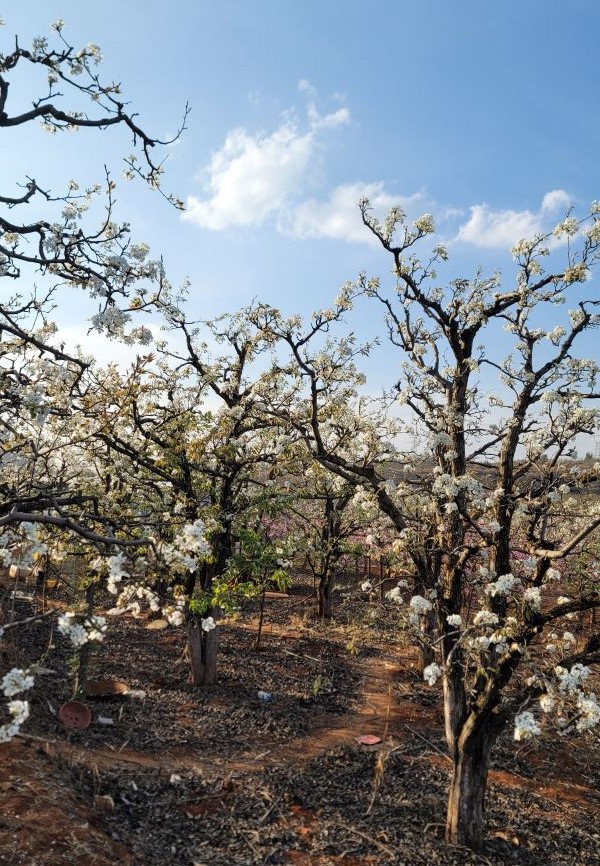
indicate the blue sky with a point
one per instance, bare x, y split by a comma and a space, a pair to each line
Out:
481, 113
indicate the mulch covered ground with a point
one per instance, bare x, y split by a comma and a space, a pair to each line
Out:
180, 776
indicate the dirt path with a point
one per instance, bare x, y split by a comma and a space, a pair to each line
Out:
34, 803
294, 766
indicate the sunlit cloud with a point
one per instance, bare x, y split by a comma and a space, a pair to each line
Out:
255, 176
338, 216
503, 228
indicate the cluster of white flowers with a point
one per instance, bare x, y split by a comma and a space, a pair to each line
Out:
485, 617
526, 246
431, 673
189, 548
569, 227
571, 680
533, 597
446, 486
526, 726
175, 613
19, 711
503, 585
454, 619
420, 605
577, 710
208, 623
186, 551
15, 681
111, 321
588, 712
82, 628
556, 334
441, 438
577, 273
116, 571
425, 224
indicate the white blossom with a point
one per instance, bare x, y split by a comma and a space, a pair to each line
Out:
570, 680
485, 617
431, 673
526, 726
208, 624
15, 681
425, 224
533, 597
81, 628
19, 710
420, 605
175, 615
394, 595
503, 584
589, 712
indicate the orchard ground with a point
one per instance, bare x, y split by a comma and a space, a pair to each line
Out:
180, 775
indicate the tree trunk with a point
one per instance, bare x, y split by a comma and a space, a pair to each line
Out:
426, 629
325, 593
465, 823
261, 615
202, 652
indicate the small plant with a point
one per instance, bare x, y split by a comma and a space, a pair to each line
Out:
352, 647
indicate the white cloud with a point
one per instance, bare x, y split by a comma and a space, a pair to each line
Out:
503, 228
255, 176
100, 347
251, 177
556, 201
338, 217
328, 121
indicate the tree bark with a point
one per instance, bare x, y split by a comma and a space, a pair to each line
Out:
465, 820
202, 652
426, 629
325, 592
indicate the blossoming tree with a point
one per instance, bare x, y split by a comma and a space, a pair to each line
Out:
500, 487
69, 244
188, 422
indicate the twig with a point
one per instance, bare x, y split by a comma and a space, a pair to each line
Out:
367, 838
249, 843
429, 743
388, 712
432, 824
22, 736
262, 755
264, 817
298, 656
6, 626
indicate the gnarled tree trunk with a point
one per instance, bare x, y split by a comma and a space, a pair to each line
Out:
325, 596
426, 629
465, 819
202, 652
